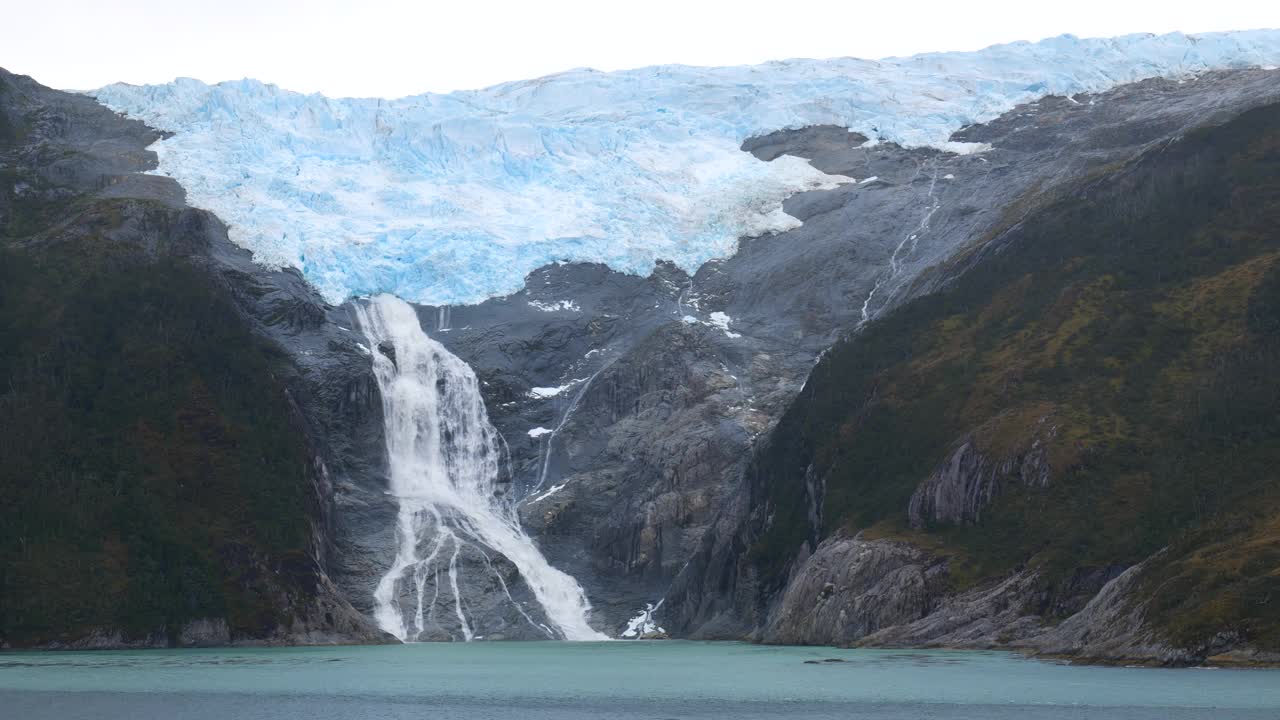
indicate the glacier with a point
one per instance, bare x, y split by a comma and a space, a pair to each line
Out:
449, 199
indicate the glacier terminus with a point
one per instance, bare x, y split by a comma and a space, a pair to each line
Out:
449, 199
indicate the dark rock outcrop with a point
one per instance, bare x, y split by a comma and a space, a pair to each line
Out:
850, 588
969, 479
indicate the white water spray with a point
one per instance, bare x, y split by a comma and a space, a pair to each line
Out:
445, 460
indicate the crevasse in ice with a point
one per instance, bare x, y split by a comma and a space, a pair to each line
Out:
453, 198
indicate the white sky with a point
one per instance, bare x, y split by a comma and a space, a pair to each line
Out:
392, 48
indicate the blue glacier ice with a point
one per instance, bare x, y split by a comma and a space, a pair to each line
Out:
453, 198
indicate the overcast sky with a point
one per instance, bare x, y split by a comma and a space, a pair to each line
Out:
391, 48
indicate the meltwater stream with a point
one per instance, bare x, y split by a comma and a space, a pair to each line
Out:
445, 458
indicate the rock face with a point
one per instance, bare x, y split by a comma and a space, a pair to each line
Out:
851, 588
988, 617
957, 490
1110, 627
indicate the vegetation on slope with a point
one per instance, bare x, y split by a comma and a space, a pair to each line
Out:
151, 470
1140, 315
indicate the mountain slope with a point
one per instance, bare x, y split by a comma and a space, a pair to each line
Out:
1093, 390
159, 487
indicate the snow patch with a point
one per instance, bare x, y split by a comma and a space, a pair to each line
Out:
549, 392
539, 432
543, 496
964, 148
643, 623
720, 320
557, 306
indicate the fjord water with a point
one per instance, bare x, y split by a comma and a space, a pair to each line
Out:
672, 679
445, 458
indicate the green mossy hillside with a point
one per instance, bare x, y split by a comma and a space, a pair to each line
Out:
151, 467
1139, 315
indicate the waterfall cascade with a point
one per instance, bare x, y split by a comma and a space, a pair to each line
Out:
445, 460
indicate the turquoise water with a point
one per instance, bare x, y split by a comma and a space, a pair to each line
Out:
610, 680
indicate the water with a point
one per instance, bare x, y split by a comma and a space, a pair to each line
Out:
445, 459
603, 681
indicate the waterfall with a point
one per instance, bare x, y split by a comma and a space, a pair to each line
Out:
445, 459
